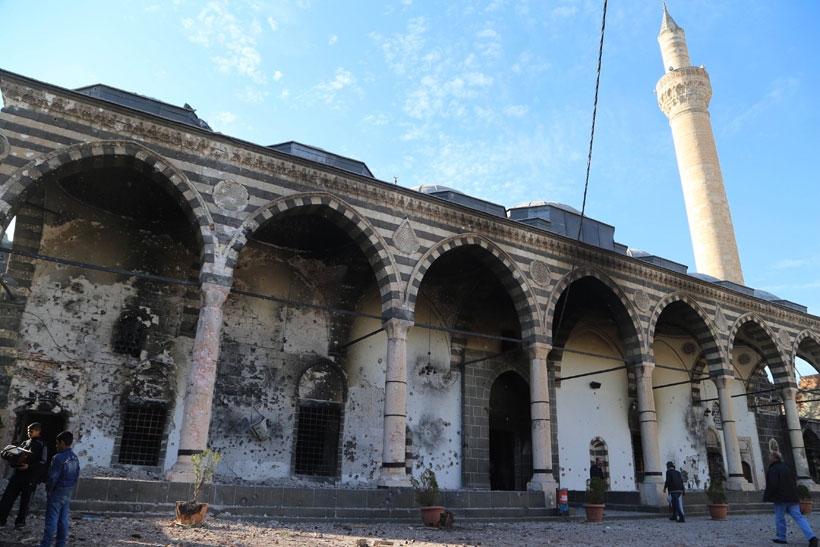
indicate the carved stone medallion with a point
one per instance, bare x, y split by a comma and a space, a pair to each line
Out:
540, 272
404, 239
642, 300
230, 196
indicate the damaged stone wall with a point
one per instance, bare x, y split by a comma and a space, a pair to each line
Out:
69, 360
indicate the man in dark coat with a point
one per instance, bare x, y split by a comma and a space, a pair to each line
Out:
781, 489
597, 470
674, 485
25, 478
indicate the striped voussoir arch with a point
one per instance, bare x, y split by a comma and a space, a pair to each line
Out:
342, 215
500, 264
765, 340
701, 328
627, 318
807, 346
79, 157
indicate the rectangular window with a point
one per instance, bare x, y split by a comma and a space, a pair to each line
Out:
142, 434
317, 440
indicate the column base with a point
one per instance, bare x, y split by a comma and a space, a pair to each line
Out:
739, 484
542, 482
182, 471
652, 493
393, 479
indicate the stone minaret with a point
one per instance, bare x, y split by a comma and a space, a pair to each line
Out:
683, 95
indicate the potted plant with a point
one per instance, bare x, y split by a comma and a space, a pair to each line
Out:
804, 494
427, 496
192, 512
717, 500
594, 506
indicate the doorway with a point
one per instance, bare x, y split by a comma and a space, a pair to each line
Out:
510, 440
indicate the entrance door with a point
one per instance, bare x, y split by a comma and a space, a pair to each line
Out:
510, 442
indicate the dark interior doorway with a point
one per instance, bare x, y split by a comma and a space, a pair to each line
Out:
52, 425
510, 441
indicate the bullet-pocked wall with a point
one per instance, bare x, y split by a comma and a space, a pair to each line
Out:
368, 331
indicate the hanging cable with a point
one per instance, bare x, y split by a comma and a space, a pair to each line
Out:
589, 165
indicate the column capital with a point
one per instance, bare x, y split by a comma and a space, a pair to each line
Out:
723, 381
642, 367
213, 295
397, 328
538, 350
789, 393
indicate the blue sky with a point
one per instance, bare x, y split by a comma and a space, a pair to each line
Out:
493, 98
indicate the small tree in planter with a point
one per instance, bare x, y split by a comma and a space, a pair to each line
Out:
718, 508
804, 494
192, 512
594, 506
427, 496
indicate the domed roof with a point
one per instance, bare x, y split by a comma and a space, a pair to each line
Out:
433, 189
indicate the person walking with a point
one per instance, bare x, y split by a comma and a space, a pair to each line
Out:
62, 476
781, 489
674, 485
25, 478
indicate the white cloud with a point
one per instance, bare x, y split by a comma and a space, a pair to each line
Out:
215, 27
250, 95
377, 120
489, 43
277, 75
332, 40
224, 118
402, 50
516, 110
328, 91
273, 24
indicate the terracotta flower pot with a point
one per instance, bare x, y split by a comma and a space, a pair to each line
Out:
191, 513
718, 511
594, 511
805, 507
431, 516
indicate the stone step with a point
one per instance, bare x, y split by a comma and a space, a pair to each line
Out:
121, 497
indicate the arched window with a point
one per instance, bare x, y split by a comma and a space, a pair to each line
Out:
714, 455
322, 390
598, 449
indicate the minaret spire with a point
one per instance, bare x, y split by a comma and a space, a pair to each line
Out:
683, 94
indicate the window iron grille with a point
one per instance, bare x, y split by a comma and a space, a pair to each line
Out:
142, 434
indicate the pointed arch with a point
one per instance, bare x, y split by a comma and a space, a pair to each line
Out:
629, 322
347, 219
765, 342
703, 330
504, 268
116, 153
807, 346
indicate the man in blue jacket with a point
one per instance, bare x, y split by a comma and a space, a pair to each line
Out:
781, 489
62, 476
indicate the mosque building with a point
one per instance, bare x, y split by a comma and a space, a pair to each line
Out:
169, 289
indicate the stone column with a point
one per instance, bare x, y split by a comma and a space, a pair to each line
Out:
395, 405
735, 480
200, 391
652, 486
542, 479
801, 464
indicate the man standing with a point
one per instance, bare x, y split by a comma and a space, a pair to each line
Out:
674, 485
781, 488
597, 470
62, 476
24, 480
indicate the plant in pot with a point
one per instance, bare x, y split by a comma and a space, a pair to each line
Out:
804, 494
427, 496
717, 499
594, 506
192, 512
